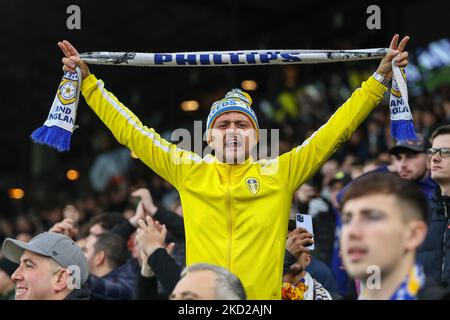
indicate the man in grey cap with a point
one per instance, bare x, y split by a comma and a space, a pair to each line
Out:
51, 267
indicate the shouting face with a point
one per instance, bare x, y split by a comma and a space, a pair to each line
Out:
233, 137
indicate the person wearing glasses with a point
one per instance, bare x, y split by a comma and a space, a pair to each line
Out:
434, 254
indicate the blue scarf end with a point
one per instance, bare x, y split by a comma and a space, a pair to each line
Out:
53, 136
403, 130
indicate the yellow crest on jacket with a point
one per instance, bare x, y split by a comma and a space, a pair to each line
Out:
252, 185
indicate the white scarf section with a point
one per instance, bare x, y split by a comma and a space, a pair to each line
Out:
402, 126
230, 58
57, 130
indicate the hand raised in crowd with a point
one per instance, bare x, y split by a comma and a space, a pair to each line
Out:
298, 240
65, 227
146, 270
385, 67
71, 212
72, 59
151, 235
145, 207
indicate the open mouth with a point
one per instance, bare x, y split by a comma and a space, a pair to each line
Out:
233, 144
356, 254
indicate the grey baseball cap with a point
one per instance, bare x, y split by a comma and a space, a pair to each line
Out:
57, 246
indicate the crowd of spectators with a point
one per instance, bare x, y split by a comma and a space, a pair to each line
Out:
119, 193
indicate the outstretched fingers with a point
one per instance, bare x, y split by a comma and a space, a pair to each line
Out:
70, 48
394, 42
64, 49
403, 43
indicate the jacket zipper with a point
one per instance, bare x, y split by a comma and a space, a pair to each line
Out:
230, 232
444, 240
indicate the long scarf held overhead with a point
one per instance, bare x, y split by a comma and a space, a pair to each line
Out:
402, 123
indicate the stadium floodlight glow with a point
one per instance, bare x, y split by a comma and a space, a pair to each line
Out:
16, 193
72, 174
190, 105
249, 85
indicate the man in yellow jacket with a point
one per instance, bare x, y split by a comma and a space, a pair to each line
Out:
235, 208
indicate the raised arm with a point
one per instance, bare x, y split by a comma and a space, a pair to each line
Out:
168, 161
303, 161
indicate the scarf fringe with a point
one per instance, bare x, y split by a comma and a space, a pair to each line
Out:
53, 136
403, 130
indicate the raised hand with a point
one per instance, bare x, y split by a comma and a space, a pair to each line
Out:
65, 227
298, 241
72, 59
145, 207
146, 199
150, 236
397, 52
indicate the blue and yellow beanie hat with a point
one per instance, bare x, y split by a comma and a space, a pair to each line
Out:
235, 100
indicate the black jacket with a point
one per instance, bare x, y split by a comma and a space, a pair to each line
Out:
434, 253
167, 272
434, 291
79, 294
146, 288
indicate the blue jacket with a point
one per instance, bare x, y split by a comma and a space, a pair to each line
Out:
116, 285
434, 253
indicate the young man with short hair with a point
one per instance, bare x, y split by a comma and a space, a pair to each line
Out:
434, 253
383, 223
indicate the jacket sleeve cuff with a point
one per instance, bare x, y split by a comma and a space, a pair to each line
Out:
375, 86
88, 82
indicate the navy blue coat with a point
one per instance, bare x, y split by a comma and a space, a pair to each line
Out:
117, 285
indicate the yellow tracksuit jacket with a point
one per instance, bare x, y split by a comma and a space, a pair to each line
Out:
235, 216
